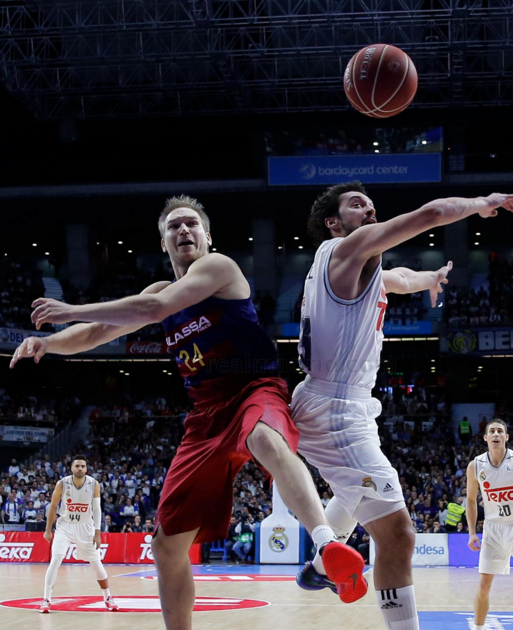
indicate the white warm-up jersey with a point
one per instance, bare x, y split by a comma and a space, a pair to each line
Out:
341, 340
76, 503
496, 487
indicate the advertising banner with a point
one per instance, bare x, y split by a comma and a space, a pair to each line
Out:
459, 553
393, 168
146, 347
10, 433
115, 549
430, 550
279, 534
478, 341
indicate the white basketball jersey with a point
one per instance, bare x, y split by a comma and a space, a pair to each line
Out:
76, 503
341, 340
496, 485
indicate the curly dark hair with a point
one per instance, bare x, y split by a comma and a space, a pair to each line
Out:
327, 205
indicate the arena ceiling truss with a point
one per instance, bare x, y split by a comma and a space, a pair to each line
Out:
116, 58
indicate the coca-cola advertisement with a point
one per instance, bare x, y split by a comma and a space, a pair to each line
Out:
115, 549
146, 347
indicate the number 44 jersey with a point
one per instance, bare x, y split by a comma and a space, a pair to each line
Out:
496, 485
76, 503
340, 340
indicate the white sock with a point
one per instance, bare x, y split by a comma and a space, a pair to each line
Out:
48, 592
343, 526
399, 608
322, 535
106, 593
478, 627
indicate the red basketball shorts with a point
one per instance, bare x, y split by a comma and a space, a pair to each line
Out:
198, 490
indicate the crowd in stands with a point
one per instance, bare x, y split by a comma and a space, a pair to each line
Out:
129, 449
490, 305
30, 410
20, 285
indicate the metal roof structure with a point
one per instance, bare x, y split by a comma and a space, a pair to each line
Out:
122, 58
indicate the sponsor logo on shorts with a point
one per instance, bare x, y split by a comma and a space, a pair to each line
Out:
498, 495
278, 540
146, 552
388, 488
71, 554
15, 550
368, 483
135, 603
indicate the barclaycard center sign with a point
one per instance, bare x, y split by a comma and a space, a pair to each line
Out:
370, 169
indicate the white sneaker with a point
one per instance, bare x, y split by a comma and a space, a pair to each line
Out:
111, 605
45, 606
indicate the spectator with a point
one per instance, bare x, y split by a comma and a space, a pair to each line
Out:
109, 526
148, 526
11, 510
245, 531
231, 539
137, 525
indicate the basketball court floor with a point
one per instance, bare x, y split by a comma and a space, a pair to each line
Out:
235, 598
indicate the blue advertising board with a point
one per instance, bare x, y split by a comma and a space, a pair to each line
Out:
463, 620
399, 168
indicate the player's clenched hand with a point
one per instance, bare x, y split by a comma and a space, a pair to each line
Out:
441, 278
48, 311
31, 347
494, 201
48, 536
473, 542
97, 539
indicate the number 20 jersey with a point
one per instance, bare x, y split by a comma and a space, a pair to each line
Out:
341, 340
76, 503
496, 485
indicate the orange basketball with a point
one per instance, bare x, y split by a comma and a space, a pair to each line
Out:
380, 81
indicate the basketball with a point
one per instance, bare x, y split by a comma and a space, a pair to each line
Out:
380, 81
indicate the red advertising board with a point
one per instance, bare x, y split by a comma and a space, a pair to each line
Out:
115, 549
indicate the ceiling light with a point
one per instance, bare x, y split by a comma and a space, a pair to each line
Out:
431, 236
97, 243
376, 150
478, 233
433, 360
431, 244
424, 142
47, 253
165, 371
127, 374
300, 247
476, 243
375, 144
214, 249
120, 242
250, 238
121, 371
279, 247
34, 244
296, 238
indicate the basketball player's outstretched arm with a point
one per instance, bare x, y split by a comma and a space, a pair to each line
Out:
206, 276
374, 239
52, 511
78, 338
472, 489
403, 280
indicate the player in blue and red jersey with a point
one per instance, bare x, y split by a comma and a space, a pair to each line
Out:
240, 404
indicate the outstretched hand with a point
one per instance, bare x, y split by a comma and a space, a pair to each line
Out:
494, 201
35, 347
441, 278
49, 311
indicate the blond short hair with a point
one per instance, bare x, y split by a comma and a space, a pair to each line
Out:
183, 201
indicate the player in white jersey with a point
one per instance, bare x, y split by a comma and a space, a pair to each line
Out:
77, 499
492, 473
342, 319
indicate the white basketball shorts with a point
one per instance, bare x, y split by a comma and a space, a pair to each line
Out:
496, 548
339, 436
81, 534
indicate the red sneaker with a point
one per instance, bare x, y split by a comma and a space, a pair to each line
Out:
45, 606
111, 605
345, 566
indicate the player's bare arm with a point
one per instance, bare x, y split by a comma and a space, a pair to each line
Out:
356, 257
78, 338
472, 490
52, 511
404, 281
211, 275
97, 538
